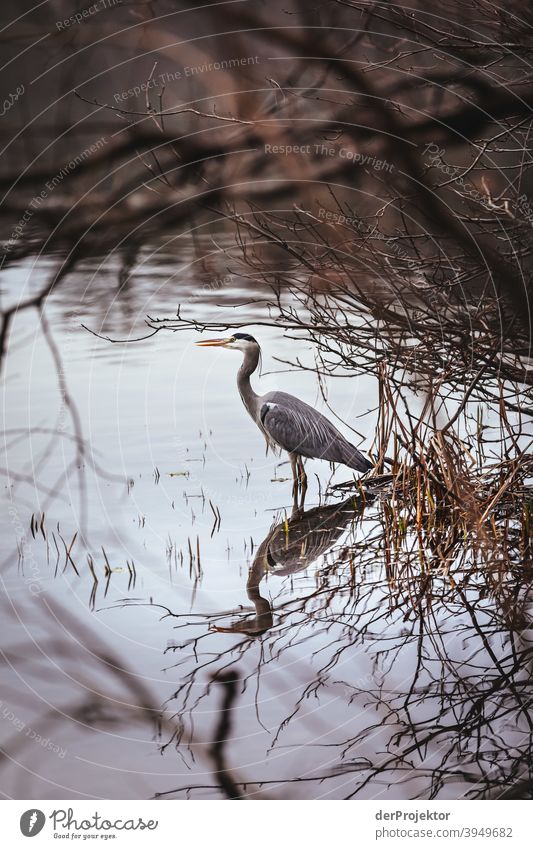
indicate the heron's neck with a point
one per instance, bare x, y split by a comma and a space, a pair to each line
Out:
249, 365
263, 608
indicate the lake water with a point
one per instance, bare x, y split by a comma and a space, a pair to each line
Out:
167, 506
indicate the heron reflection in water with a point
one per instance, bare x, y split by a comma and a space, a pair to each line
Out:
289, 548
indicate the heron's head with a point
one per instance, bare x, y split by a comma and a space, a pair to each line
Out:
238, 342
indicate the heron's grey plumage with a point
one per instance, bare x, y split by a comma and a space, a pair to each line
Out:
300, 429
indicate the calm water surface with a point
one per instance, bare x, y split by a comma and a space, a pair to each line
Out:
169, 505
175, 449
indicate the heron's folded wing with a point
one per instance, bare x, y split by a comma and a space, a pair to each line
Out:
308, 434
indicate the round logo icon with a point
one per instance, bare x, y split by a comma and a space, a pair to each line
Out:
32, 822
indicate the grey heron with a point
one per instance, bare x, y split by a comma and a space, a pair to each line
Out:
288, 423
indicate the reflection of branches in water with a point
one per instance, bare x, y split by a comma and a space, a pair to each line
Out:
449, 674
229, 681
412, 628
94, 691
93, 688
83, 455
79, 441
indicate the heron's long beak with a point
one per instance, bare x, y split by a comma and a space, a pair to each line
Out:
208, 343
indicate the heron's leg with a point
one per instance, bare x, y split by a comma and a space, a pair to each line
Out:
303, 481
294, 467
